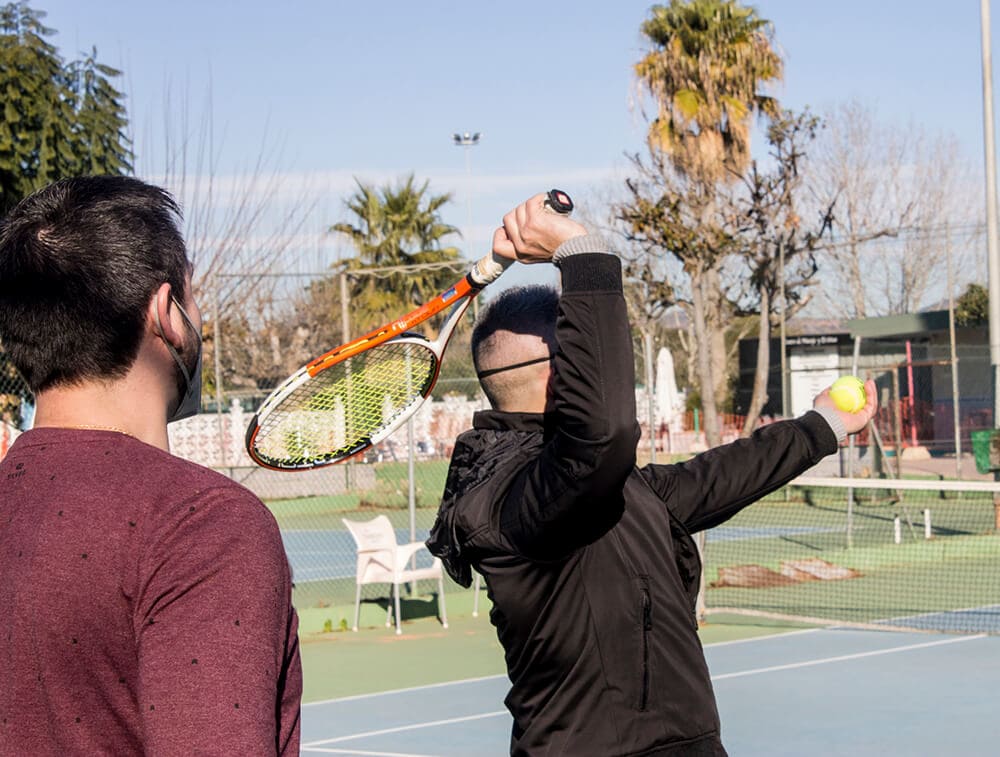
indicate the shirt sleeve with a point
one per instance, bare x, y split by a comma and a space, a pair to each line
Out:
715, 485
218, 659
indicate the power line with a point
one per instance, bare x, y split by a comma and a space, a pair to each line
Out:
379, 272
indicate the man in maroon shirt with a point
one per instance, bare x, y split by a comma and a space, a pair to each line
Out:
145, 602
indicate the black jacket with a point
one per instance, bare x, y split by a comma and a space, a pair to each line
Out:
589, 561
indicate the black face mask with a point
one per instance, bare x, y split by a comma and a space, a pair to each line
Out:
189, 377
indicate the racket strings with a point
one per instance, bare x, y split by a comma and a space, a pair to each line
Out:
344, 408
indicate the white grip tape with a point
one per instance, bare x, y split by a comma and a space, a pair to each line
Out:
489, 268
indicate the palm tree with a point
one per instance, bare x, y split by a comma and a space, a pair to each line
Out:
396, 226
708, 60
704, 71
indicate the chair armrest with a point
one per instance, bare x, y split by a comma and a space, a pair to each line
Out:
405, 551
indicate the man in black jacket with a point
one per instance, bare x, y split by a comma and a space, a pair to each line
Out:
589, 561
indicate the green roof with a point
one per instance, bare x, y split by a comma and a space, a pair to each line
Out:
899, 325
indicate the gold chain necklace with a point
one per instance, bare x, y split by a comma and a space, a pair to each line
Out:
88, 427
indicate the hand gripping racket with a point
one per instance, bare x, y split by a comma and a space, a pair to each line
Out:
355, 395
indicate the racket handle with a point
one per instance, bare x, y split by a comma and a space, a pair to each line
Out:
559, 201
488, 268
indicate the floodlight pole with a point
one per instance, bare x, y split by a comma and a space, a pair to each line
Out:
467, 141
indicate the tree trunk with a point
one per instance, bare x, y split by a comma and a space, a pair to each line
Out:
717, 324
759, 396
703, 345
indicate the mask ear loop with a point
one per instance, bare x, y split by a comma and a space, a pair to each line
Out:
173, 351
491, 371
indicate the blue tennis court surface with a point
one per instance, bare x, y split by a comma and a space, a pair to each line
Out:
737, 533
971, 620
815, 692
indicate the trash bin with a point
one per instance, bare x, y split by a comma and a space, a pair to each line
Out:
986, 448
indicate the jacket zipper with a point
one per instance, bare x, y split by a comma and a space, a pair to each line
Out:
647, 624
673, 519
645, 619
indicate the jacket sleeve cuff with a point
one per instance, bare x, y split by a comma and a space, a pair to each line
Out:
591, 272
824, 431
836, 424
591, 242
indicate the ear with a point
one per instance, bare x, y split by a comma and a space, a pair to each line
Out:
162, 311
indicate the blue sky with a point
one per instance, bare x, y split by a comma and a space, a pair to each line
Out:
376, 89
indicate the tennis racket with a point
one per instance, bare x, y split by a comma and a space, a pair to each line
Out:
356, 395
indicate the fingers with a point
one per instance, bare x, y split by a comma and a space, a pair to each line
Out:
512, 229
856, 421
871, 405
536, 231
502, 245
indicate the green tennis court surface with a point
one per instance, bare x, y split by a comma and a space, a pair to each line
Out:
914, 554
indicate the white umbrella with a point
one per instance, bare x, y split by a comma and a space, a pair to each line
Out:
668, 398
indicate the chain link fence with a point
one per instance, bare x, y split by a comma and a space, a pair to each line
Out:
403, 478
16, 405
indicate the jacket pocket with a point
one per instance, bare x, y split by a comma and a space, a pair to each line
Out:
688, 561
645, 626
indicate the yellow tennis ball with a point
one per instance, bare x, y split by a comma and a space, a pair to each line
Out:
848, 393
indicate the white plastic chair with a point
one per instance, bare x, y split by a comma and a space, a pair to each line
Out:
382, 560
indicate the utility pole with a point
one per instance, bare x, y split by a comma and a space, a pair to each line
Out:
992, 252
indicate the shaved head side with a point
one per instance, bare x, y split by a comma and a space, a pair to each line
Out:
517, 326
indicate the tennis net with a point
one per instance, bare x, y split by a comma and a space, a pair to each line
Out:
906, 554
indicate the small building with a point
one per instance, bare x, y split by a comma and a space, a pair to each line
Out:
909, 357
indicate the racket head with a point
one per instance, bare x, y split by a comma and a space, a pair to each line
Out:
311, 421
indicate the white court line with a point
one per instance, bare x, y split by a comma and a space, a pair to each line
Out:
840, 658
405, 690
777, 635
358, 753
401, 728
315, 746
461, 681
933, 613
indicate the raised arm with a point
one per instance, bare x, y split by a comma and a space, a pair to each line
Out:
571, 492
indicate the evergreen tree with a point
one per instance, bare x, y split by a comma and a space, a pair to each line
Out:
58, 119
973, 306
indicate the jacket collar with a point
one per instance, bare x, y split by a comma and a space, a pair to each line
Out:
500, 421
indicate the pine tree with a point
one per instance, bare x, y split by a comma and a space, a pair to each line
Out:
58, 119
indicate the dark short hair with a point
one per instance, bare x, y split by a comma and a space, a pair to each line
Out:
79, 261
522, 310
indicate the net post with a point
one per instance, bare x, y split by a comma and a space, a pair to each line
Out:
897, 530
996, 503
927, 523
